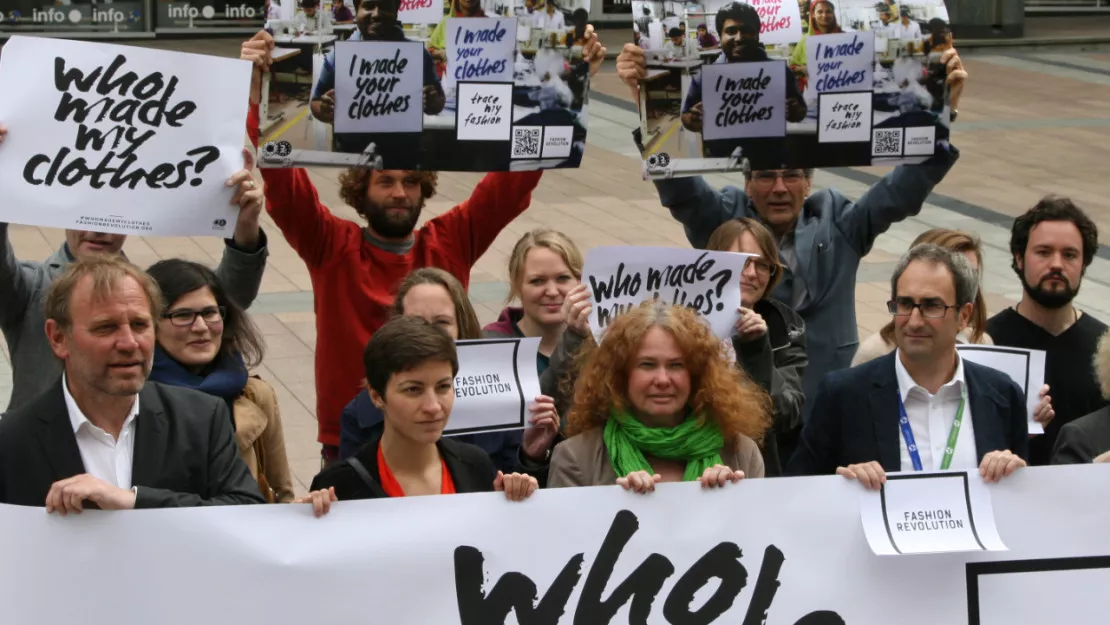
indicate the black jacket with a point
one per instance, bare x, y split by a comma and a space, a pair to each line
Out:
855, 418
776, 362
185, 451
469, 465
1084, 439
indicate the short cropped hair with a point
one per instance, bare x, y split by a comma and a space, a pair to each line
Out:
744, 14
964, 278
106, 271
403, 344
1052, 208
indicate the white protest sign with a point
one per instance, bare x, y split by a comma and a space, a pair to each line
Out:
841, 61
786, 551
420, 12
936, 512
485, 111
621, 277
844, 117
120, 139
743, 100
1024, 366
480, 48
378, 86
497, 380
780, 21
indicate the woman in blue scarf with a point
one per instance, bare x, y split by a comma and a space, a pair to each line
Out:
206, 342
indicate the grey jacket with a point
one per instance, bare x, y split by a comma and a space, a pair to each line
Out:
23, 286
831, 236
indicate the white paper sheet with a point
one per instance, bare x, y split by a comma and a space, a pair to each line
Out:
485, 111
1024, 366
744, 100
378, 86
479, 49
498, 379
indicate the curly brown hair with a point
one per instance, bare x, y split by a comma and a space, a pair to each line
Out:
354, 183
718, 389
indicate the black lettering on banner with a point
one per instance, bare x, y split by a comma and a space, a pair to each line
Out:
490, 110
846, 116
515, 591
740, 100
375, 80
673, 283
137, 107
829, 60
468, 63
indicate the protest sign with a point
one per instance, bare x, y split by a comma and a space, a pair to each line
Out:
420, 12
1024, 366
485, 111
497, 381
777, 551
936, 512
864, 86
744, 100
120, 139
378, 86
620, 278
479, 49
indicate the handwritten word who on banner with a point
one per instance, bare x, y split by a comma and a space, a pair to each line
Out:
621, 278
101, 135
378, 86
744, 100
479, 49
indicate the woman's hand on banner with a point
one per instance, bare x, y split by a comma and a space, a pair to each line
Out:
632, 67
257, 50
999, 464
592, 51
516, 486
321, 501
870, 474
249, 197
577, 310
750, 325
718, 475
640, 482
545, 427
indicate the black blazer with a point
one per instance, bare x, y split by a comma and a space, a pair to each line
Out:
1084, 439
855, 418
185, 451
469, 465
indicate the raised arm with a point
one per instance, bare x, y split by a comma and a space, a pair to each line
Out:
498, 199
17, 282
244, 258
699, 207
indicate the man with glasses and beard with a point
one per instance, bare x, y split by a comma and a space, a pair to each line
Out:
355, 269
1052, 245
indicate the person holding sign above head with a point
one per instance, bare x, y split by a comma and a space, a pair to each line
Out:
411, 366
23, 284
821, 236
437, 297
657, 401
922, 407
770, 340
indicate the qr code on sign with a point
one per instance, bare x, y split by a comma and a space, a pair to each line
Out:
527, 141
886, 142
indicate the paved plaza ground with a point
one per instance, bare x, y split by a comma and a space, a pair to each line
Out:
1032, 122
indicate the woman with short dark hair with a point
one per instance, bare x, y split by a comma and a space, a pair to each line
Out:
411, 366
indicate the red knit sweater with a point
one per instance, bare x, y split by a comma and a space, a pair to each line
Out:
353, 282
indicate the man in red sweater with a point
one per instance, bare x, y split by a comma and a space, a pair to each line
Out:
355, 270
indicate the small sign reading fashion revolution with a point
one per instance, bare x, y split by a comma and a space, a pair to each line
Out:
120, 139
497, 380
622, 277
378, 86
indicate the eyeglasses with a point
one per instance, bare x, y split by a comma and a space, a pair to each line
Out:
762, 267
930, 308
768, 178
184, 317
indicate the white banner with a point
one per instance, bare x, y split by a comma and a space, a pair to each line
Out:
120, 139
479, 49
776, 551
498, 379
1024, 366
378, 86
621, 277
744, 100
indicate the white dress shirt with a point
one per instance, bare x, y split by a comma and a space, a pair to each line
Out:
931, 418
904, 32
104, 457
555, 21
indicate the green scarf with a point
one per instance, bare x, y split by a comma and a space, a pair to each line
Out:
626, 440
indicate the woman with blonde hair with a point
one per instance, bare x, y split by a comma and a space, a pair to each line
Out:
770, 340
882, 342
658, 402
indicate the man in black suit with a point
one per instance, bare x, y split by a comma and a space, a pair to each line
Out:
103, 435
908, 411
1087, 439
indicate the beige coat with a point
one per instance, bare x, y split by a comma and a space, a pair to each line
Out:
261, 440
582, 460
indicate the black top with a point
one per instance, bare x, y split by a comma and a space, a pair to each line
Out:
1069, 369
470, 467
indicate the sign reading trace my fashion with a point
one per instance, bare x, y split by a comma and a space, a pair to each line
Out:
745, 100
479, 48
378, 86
775, 551
120, 139
620, 278
497, 381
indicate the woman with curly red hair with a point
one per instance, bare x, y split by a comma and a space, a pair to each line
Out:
658, 401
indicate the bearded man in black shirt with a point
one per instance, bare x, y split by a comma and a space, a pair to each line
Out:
1052, 245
